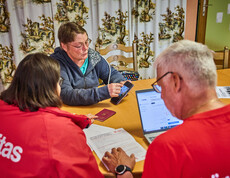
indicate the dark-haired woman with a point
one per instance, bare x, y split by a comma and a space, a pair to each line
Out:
37, 139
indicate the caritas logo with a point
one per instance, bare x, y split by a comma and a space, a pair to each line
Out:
216, 175
8, 150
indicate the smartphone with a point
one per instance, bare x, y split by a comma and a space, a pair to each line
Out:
124, 91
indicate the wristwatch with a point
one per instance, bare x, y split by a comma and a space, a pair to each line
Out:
121, 169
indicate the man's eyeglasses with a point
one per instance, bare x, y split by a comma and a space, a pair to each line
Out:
157, 87
80, 44
60, 81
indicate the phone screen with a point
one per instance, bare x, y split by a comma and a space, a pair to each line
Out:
124, 90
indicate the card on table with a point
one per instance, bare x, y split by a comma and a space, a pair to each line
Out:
104, 114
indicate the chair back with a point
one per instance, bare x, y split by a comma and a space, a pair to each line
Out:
221, 58
122, 62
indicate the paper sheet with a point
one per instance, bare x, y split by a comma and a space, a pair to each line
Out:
228, 11
223, 91
219, 17
114, 139
95, 129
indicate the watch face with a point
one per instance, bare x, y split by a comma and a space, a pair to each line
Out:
120, 168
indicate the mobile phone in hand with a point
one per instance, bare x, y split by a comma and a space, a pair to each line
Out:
124, 91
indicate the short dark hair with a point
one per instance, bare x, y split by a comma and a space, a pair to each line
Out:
34, 84
67, 32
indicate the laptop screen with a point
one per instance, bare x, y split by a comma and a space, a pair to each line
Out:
153, 112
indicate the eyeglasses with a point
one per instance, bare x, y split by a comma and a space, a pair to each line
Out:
60, 81
156, 87
80, 44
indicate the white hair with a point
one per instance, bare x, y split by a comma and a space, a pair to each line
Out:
192, 61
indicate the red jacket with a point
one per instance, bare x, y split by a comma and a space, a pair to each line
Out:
46, 143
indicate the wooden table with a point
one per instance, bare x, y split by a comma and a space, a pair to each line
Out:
127, 115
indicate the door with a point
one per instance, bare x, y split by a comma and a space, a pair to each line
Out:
202, 20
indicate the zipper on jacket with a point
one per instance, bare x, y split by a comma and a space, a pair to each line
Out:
84, 83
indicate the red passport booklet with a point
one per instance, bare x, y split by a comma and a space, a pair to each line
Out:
104, 114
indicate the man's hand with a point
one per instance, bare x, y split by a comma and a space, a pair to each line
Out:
117, 157
114, 89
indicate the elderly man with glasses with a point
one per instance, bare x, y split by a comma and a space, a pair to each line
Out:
200, 146
82, 67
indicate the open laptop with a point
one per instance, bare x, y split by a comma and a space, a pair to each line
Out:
155, 117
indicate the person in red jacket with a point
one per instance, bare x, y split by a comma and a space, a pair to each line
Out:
37, 139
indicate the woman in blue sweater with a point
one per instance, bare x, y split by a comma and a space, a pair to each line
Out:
82, 67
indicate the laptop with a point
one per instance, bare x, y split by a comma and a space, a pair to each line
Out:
155, 117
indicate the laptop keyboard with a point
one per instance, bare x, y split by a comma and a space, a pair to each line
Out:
151, 138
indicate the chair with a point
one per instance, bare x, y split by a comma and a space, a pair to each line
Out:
123, 62
118, 56
221, 58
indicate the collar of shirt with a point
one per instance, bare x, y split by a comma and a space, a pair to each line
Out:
84, 66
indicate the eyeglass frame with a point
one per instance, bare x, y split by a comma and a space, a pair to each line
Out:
86, 43
60, 81
155, 83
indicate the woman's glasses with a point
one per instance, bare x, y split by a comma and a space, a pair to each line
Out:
60, 81
80, 44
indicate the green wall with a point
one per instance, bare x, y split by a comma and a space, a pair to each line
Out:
218, 34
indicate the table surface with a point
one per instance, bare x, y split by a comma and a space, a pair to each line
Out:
127, 114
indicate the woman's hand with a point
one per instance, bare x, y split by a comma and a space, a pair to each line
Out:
91, 117
114, 89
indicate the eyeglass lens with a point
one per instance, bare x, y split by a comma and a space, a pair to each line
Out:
87, 42
60, 81
157, 88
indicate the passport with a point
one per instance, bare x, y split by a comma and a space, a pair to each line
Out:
104, 114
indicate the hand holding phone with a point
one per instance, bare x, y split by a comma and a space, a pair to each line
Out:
114, 89
124, 91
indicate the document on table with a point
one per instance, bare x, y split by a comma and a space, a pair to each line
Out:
114, 139
95, 129
223, 91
